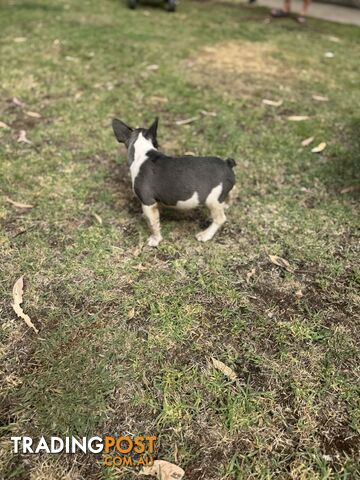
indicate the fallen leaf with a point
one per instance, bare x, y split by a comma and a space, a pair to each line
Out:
189, 152
307, 141
227, 371
131, 313
299, 294
33, 114
19, 39
152, 67
4, 125
272, 103
319, 148
320, 98
329, 55
156, 98
298, 118
98, 218
281, 262
250, 274
334, 39
208, 114
17, 102
163, 470
78, 95
187, 121
210, 49
17, 297
137, 250
18, 204
22, 137
352, 188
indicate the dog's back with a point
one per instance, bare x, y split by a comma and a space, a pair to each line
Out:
170, 180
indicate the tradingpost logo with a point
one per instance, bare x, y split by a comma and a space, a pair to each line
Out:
116, 451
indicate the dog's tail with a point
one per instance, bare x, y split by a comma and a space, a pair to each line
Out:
231, 162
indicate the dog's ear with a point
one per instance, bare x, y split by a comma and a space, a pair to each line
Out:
121, 130
152, 131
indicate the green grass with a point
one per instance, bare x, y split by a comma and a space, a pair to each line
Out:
291, 338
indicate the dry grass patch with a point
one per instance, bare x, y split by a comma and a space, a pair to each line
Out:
236, 66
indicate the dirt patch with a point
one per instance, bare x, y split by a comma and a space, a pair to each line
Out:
235, 66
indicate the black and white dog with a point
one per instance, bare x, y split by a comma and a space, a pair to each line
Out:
181, 182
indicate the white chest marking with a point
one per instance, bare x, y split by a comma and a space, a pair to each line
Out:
213, 197
141, 147
188, 204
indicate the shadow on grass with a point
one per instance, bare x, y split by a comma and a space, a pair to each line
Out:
34, 6
342, 169
143, 3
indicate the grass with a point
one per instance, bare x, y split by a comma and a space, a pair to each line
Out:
127, 332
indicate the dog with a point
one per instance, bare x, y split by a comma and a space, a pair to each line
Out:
181, 182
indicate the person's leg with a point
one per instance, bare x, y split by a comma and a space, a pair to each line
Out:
286, 7
305, 7
301, 17
284, 12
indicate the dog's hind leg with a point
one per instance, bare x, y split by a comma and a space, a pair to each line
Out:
152, 216
230, 197
219, 218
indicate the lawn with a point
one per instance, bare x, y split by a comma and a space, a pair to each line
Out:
126, 332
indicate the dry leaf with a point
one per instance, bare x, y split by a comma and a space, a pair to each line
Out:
78, 95
131, 313
189, 152
272, 103
98, 218
33, 114
299, 293
156, 98
250, 274
320, 98
4, 125
329, 55
307, 141
17, 297
19, 39
298, 118
22, 137
334, 39
187, 121
17, 102
18, 204
209, 49
152, 67
163, 471
208, 114
319, 148
227, 371
281, 262
352, 188
137, 250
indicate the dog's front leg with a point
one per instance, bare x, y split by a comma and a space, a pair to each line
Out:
152, 216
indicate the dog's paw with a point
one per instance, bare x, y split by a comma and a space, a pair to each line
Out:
203, 236
154, 241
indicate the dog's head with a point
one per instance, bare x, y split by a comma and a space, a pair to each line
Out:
129, 136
